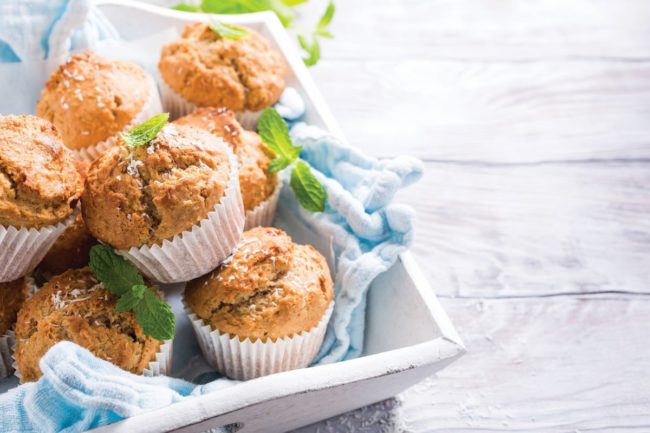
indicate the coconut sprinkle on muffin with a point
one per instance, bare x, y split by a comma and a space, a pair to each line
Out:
90, 99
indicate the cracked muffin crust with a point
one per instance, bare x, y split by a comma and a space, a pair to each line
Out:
152, 193
208, 70
39, 185
91, 98
71, 250
12, 296
76, 307
255, 181
269, 288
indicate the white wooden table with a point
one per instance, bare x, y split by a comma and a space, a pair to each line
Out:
533, 119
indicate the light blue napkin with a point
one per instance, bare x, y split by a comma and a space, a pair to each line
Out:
79, 391
365, 231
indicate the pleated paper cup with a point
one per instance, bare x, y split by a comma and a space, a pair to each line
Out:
151, 108
7, 344
22, 249
162, 363
177, 106
264, 213
245, 360
197, 251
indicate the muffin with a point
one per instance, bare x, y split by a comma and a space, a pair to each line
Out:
90, 99
75, 306
12, 296
39, 191
206, 70
259, 187
72, 249
172, 207
265, 309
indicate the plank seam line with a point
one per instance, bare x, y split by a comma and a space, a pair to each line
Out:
588, 161
551, 295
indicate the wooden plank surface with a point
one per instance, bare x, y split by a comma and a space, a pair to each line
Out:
534, 212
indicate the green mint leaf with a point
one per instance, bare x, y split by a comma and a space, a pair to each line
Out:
228, 31
155, 316
275, 134
186, 8
283, 11
279, 163
293, 3
130, 299
311, 46
326, 19
310, 193
143, 133
234, 6
116, 273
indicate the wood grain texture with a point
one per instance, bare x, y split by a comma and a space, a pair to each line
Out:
533, 230
533, 117
510, 30
542, 365
486, 111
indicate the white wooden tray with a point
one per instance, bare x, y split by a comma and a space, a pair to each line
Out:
408, 335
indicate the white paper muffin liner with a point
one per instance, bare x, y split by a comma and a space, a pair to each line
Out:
245, 360
177, 106
7, 344
264, 213
151, 108
8, 340
22, 249
197, 251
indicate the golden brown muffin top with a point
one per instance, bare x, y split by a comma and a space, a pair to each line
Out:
75, 306
12, 296
256, 183
269, 288
39, 185
152, 193
208, 70
90, 98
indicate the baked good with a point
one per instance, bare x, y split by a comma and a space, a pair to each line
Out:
39, 185
205, 69
39, 190
71, 250
143, 199
75, 306
270, 290
12, 296
256, 182
90, 99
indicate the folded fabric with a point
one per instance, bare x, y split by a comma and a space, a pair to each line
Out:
365, 230
79, 391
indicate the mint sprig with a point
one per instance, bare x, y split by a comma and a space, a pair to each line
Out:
274, 132
285, 11
228, 31
143, 133
121, 278
309, 191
